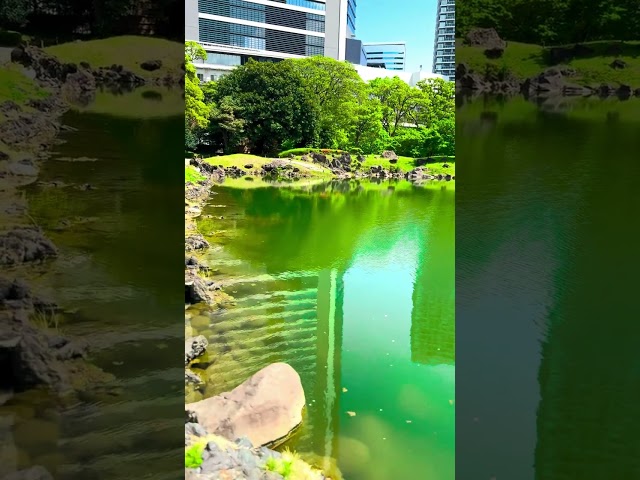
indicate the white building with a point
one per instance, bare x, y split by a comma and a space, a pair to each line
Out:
233, 31
389, 55
444, 48
412, 78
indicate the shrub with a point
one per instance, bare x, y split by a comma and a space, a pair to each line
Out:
280, 466
193, 455
9, 38
307, 150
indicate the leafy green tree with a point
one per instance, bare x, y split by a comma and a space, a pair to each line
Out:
436, 102
15, 12
227, 124
366, 131
275, 104
548, 22
196, 112
398, 102
336, 89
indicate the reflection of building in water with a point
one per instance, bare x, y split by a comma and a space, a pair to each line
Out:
329, 349
588, 417
313, 349
432, 317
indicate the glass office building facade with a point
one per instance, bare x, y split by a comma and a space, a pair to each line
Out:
351, 16
391, 56
444, 57
233, 31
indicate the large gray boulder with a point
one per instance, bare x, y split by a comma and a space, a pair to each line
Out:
264, 408
488, 39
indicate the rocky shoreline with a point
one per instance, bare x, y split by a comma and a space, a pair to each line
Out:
232, 435
32, 354
228, 435
343, 166
556, 80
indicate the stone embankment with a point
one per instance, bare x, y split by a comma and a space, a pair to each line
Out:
341, 166
32, 352
34, 356
228, 435
557, 80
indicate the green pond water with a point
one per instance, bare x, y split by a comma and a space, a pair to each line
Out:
120, 289
548, 371
353, 285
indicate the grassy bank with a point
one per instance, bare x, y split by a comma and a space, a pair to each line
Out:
15, 86
241, 160
526, 60
191, 175
406, 164
129, 51
314, 170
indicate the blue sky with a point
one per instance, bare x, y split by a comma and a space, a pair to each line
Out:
412, 21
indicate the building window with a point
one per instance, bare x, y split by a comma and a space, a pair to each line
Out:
306, 4
223, 59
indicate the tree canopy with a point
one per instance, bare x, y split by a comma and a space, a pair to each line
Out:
265, 108
547, 22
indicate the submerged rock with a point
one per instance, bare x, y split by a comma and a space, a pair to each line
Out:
25, 244
194, 348
195, 242
265, 408
26, 359
196, 289
33, 473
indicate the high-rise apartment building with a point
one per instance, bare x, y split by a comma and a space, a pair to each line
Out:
233, 31
391, 56
444, 56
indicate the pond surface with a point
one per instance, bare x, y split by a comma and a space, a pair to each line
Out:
115, 281
548, 371
353, 285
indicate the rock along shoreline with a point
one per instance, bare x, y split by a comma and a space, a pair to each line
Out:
35, 356
557, 80
232, 435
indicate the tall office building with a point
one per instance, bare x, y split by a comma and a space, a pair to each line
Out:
233, 31
391, 56
444, 50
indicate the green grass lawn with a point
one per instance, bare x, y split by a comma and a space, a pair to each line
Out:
240, 160
129, 51
406, 164
192, 175
15, 86
526, 60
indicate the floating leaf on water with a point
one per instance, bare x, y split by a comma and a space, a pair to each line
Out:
344, 390
351, 414
408, 421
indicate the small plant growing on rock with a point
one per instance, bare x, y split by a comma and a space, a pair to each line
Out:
193, 455
279, 466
